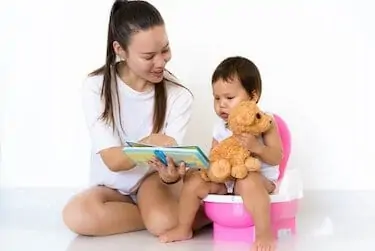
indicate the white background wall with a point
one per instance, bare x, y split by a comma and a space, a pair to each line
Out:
314, 56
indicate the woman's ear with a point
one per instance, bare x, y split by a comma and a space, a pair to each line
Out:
119, 51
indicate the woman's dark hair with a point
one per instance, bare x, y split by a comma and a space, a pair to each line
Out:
243, 70
127, 18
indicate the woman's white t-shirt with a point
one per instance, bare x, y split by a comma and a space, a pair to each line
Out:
136, 109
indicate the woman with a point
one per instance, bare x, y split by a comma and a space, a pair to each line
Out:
132, 98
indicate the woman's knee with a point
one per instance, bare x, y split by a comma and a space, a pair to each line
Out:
158, 205
160, 220
195, 184
80, 215
193, 181
83, 213
160, 210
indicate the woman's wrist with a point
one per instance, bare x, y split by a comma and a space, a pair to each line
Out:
170, 182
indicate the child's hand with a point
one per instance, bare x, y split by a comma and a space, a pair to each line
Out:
251, 143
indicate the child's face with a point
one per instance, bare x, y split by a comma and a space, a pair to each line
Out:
227, 95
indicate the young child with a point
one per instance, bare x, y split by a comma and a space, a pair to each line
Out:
234, 80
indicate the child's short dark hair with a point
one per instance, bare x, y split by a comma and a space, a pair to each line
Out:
242, 69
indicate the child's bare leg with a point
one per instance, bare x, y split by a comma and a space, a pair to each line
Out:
193, 191
255, 190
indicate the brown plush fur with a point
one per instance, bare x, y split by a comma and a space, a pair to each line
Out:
229, 159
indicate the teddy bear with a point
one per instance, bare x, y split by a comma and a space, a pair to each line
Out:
229, 160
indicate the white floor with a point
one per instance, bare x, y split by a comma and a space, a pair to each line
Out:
30, 220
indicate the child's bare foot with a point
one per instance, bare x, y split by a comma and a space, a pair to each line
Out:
264, 242
176, 234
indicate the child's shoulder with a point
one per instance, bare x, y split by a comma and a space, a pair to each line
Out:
220, 130
220, 124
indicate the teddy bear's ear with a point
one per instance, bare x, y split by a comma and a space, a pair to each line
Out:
253, 112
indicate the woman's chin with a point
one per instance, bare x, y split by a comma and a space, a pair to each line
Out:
155, 78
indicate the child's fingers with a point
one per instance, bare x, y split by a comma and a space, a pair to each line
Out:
240, 139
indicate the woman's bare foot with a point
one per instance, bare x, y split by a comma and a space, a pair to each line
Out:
264, 242
176, 234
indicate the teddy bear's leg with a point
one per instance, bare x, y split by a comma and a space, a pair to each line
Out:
252, 164
220, 170
239, 171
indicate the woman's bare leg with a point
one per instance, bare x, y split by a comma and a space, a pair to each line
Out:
194, 190
255, 190
100, 211
158, 204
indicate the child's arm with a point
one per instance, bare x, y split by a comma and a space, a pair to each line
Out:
271, 151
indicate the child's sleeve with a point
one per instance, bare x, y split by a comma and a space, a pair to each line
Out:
217, 132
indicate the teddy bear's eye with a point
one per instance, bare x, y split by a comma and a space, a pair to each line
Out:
258, 116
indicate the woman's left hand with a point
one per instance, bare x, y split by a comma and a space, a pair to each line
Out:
251, 143
170, 173
158, 139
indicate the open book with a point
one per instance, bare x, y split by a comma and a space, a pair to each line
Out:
193, 156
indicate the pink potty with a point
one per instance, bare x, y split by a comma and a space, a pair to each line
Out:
231, 222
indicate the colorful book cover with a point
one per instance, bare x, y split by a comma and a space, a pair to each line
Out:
193, 156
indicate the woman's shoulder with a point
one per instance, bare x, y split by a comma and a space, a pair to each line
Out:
92, 83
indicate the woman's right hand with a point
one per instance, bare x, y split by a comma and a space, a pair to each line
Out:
170, 173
